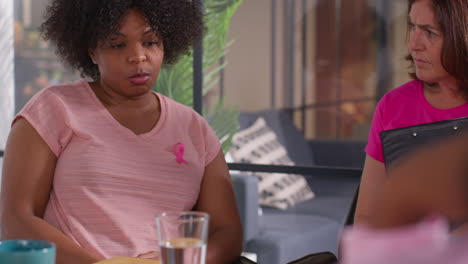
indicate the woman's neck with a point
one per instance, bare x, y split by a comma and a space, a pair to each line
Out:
445, 94
111, 99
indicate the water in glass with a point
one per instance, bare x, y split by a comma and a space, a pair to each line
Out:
183, 251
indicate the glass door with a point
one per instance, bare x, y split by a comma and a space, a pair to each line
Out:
6, 72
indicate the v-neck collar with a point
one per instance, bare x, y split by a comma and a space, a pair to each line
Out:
118, 125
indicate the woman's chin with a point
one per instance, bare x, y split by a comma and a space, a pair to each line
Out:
137, 92
425, 77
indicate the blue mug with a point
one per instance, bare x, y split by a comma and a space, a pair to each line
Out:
27, 252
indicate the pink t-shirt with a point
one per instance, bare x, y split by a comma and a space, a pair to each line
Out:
402, 107
109, 183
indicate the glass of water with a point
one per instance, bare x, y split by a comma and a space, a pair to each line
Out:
182, 237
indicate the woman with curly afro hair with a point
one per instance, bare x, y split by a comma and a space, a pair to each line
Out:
89, 164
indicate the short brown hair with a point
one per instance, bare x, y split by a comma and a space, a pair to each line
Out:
452, 17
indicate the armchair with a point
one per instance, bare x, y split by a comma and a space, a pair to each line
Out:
332, 169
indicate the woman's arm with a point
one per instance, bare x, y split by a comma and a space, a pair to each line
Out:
28, 171
217, 198
372, 179
432, 180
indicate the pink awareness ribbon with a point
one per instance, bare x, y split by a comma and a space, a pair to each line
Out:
179, 152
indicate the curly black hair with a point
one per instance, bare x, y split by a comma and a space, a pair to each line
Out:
75, 26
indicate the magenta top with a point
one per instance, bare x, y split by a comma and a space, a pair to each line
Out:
402, 107
109, 183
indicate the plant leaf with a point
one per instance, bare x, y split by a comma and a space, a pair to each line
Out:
176, 81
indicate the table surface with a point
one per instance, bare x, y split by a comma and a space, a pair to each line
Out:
126, 260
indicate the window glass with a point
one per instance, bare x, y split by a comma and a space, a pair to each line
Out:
326, 63
36, 65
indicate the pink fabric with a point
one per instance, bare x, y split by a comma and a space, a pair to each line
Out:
109, 183
402, 107
427, 242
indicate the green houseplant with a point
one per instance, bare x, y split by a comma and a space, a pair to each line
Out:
176, 81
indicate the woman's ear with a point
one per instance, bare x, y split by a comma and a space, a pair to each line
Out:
92, 55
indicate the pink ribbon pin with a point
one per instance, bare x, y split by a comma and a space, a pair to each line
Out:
179, 152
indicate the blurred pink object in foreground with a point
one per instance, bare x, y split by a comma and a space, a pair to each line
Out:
427, 242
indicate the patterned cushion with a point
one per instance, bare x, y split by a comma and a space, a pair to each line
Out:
259, 144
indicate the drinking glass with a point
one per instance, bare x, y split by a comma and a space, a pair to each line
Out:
182, 237
27, 252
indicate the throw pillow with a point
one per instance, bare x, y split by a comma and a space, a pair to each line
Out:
259, 144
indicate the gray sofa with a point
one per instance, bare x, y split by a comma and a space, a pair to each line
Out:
332, 169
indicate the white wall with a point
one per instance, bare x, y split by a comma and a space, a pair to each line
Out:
248, 69
6, 70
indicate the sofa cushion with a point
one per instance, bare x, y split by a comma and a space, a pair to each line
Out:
333, 207
288, 135
338, 153
286, 237
259, 144
333, 198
